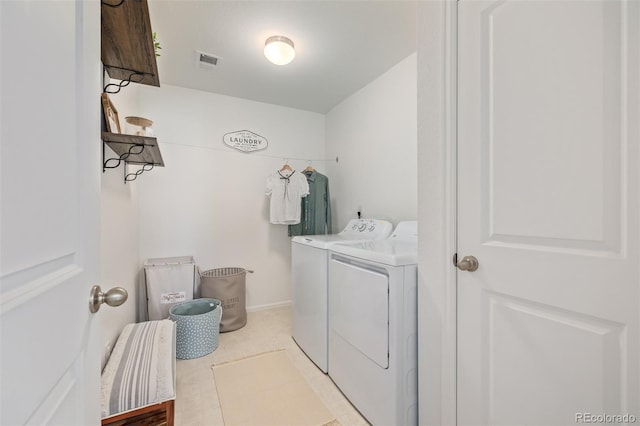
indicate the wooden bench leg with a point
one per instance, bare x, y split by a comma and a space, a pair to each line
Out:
170, 410
153, 415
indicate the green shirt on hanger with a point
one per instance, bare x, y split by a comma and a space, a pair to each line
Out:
315, 217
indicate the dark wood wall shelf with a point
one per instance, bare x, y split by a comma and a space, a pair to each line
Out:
127, 42
149, 152
131, 149
128, 55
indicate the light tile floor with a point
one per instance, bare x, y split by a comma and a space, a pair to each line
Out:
197, 400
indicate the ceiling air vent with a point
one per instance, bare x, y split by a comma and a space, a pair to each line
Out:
206, 60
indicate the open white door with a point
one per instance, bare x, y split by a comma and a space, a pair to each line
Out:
50, 189
548, 202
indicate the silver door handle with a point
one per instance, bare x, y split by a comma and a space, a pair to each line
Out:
468, 263
113, 297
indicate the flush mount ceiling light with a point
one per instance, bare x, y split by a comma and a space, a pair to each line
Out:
279, 50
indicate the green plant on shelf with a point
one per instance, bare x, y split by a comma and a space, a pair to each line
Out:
156, 44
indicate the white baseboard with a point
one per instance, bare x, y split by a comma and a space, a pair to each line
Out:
269, 306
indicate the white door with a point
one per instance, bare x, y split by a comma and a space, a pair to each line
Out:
548, 202
50, 171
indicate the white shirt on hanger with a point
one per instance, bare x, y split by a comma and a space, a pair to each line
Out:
286, 188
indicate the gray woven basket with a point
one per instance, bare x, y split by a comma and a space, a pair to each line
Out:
229, 286
224, 272
197, 327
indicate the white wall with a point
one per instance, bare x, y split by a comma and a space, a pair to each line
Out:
209, 200
119, 239
373, 133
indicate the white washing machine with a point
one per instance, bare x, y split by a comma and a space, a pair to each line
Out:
373, 351
309, 270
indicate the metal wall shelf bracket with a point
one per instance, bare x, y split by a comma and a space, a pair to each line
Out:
128, 177
109, 162
134, 77
113, 5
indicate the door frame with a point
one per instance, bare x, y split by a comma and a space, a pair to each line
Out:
437, 209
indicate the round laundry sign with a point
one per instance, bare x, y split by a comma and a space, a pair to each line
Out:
245, 141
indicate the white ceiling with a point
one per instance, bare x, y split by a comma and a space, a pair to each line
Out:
340, 46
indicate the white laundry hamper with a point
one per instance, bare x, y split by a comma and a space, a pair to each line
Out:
169, 280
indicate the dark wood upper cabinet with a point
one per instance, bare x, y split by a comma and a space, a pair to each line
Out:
127, 42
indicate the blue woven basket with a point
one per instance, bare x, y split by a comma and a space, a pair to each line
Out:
197, 327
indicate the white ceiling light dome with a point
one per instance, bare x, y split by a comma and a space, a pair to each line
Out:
279, 50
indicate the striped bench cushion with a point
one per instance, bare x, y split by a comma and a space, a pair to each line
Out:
141, 368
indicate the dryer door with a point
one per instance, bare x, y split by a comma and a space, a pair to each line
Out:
309, 324
359, 307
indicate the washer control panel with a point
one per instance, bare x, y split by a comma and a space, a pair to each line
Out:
368, 228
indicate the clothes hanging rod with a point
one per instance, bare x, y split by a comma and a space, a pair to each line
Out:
301, 159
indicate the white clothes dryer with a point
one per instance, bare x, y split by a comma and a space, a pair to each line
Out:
373, 351
309, 271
